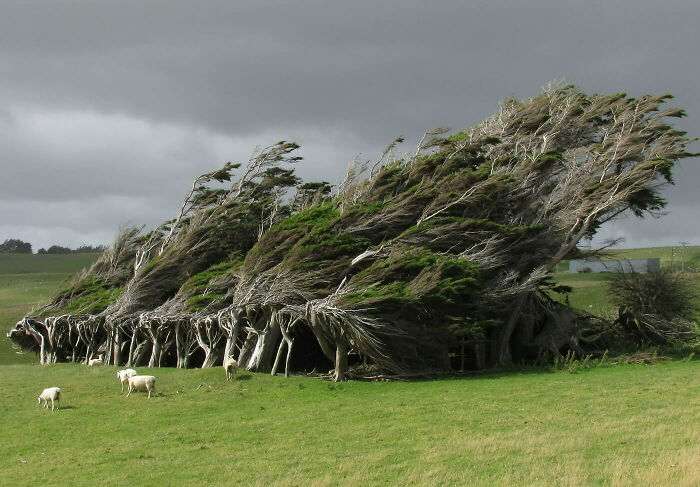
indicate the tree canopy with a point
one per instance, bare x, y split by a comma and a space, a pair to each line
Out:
15, 246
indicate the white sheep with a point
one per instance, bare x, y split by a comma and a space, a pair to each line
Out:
142, 383
52, 393
230, 366
123, 376
96, 361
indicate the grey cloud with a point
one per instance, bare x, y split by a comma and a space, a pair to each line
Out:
104, 98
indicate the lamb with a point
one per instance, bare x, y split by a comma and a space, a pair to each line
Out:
142, 383
123, 376
230, 366
52, 393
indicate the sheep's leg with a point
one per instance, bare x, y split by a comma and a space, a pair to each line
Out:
52, 404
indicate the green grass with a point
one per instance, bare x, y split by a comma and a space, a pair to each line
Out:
590, 292
609, 426
45, 263
616, 425
27, 280
691, 260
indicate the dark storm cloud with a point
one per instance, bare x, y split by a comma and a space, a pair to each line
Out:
100, 100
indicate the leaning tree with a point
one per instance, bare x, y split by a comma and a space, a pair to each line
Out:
392, 270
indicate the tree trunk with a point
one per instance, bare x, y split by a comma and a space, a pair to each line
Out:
212, 357
261, 359
117, 352
230, 348
341, 360
247, 348
287, 362
287, 341
155, 353
141, 354
280, 349
132, 349
504, 358
180, 349
315, 323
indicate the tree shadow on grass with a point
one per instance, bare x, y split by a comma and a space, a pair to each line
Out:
473, 374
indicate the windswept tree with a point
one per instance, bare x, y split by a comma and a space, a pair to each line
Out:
393, 269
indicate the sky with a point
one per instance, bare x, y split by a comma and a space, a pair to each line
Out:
109, 110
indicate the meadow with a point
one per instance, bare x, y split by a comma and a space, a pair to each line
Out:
599, 424
26, 280
614, 425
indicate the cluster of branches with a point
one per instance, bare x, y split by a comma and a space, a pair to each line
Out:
257, 336
655, 307
406, 257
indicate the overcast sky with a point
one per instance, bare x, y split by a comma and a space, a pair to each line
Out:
109, 109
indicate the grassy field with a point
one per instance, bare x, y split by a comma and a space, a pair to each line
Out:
590, 292
606, 425
27, 280
610, 426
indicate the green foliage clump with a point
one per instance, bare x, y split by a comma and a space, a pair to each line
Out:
90, 295
204, 278
324, 245
319, 216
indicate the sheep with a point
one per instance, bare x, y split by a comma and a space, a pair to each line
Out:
123, 376
96, 361
52, 393
142, 383
230, 366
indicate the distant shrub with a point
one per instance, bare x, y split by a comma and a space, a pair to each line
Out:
655, 307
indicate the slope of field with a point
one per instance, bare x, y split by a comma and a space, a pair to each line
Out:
672, 258
612, 426
590, 291
25, 281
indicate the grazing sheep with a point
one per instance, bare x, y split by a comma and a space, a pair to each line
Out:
123, 376
142, 383
52, 393
230, 366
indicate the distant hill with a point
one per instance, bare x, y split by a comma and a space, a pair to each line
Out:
26, 280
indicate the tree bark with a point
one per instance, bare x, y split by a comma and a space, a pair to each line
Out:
155, 353
504, 357
261, 358
341, 360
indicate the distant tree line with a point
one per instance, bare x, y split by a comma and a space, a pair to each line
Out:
16, 246
83, 249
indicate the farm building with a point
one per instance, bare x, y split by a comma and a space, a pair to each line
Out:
593, 264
